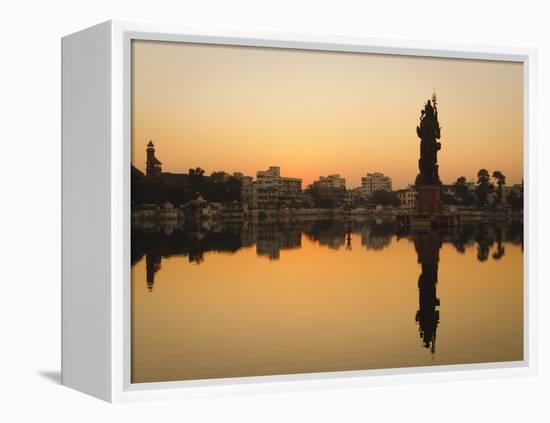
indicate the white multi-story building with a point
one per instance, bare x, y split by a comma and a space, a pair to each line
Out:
407, 197
271, 190
375, 182
331, 182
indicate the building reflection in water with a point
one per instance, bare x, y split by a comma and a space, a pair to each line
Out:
328, 233
270, 238
376, 237
352, 290
427, 246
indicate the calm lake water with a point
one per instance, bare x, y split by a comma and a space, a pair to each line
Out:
265, 299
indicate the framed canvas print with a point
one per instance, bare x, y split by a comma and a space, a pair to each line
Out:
254, 212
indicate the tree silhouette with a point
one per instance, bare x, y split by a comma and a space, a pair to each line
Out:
463, 193
385, 198
501, 181
196, 173
460, 187
219, 176
484, 187
180, 188
515, 200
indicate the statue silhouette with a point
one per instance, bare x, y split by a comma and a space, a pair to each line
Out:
429, 132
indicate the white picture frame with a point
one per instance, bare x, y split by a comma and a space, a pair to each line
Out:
96, 226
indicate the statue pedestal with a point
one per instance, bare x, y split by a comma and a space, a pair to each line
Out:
428, 200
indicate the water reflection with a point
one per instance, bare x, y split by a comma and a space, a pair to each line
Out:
427, 246
314, 252
269, 239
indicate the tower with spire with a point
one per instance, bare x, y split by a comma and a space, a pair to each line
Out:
153, 164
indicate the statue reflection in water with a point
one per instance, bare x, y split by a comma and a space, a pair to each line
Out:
427, 246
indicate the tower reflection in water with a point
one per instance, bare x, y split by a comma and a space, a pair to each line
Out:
152, 263
427, 246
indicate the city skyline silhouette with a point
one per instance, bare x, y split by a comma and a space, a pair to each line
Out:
318, 113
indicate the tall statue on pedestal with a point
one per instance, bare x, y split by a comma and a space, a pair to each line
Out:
429, 132
428, 184
426, 223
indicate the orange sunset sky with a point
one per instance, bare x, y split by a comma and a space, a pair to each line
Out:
317, 113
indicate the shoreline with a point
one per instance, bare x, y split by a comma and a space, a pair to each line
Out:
152, 213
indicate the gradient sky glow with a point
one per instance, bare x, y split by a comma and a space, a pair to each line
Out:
317, 113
